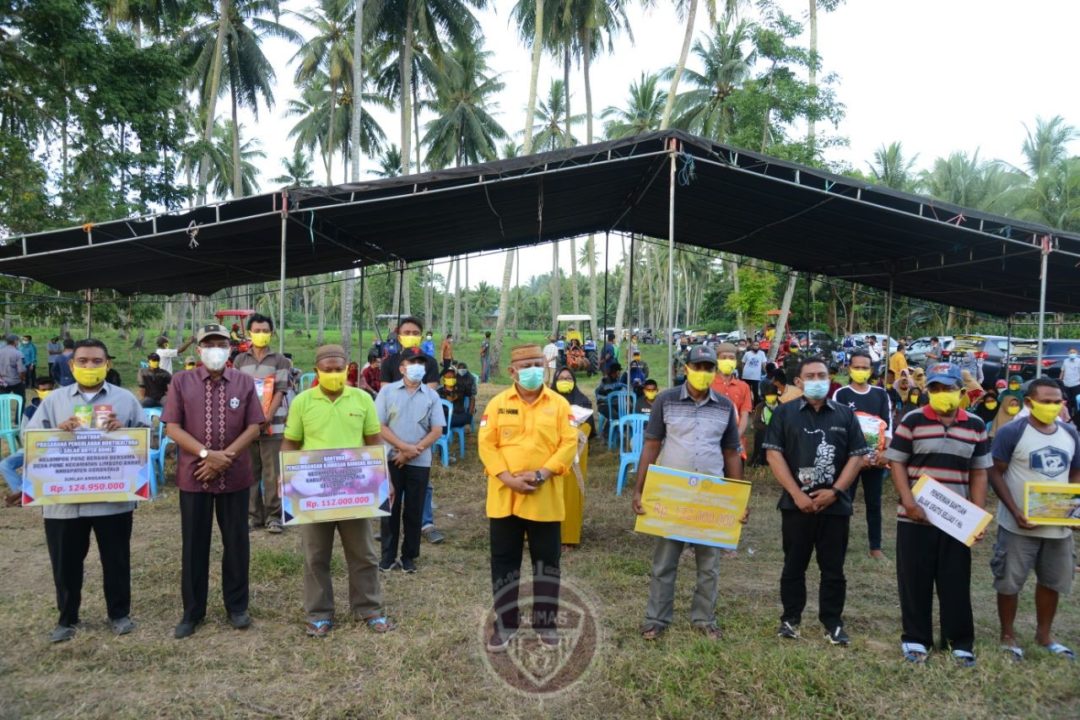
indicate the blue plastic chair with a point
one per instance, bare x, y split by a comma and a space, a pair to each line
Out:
443, 443
631, 441
458, 434
601, 421
9, 423
306, 381
619, 404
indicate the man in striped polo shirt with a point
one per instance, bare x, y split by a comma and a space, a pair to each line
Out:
950, 445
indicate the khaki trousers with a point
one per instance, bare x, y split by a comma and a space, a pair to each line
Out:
264, 503
362, 563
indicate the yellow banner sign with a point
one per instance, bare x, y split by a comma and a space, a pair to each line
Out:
86, 466
1052, 503
694, 508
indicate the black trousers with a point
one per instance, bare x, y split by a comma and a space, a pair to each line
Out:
803, 534
69, 542
197, 513
507, 546
925, 558
872, 480
410, 487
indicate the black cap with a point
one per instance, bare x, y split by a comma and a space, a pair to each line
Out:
702, 353
411, 353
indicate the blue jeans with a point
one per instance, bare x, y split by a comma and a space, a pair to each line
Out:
11, 470
429, 514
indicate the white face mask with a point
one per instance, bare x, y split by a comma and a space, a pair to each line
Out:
214, 358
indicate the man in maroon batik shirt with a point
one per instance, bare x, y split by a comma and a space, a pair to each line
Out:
213, 415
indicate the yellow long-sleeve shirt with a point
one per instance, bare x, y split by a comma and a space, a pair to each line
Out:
516, 436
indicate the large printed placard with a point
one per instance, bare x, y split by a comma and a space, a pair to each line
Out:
327, 485
694, 508
86, 466
1052, 503
949, 512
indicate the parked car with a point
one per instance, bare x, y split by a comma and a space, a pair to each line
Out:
1026, 353
860, 341
916, 354
820, 341
993, 350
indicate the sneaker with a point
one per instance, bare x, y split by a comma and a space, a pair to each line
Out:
788, 630
122, 626
388, 565
185, 628
62, 633
432, 534
319, 628
837, 636
499, 641
409, 566
274, 527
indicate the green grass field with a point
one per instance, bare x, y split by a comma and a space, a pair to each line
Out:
432, 666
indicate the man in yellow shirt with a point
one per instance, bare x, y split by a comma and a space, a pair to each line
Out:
898, 361
526, 443
331, 416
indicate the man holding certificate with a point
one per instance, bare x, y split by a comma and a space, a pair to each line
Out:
942, 441
68, 526
334, 416
1038, 448
815, 448
691, 427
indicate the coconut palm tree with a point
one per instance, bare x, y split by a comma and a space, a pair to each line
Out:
686, 9
227, 46
643, 112
464, 132
727, 63
548, 130
425, 23
892, 168
389, 162
1047, 145
222, 165
296, 171
327, 52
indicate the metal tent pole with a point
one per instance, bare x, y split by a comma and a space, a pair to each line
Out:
671, 272
630, 298
1042, 303
281, 288
888, 332
89, 313
607, 247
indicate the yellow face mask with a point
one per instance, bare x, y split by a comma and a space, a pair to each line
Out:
90, 377
650, 395
1012, 410
1046, 413
260, 339
770, 400
726, 367
700, 379
859, 376
914, 398
332, 381
945, 402
154, 364
991, 404
449, 382
1014, 386
189, 366
409, 341
564, 386
42, 394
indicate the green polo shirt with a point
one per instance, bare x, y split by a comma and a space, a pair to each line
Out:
319, 424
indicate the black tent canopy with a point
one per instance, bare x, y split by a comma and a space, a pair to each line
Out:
726, 199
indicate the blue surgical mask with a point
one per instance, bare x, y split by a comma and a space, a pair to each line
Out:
531, 378
415, 372
816, 389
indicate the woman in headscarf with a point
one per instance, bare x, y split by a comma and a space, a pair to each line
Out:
906, 396
565, 384
972, 390
918, 376
987, 407
1013, 389
1008, 408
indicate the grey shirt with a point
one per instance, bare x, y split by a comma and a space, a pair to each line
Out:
12, 366
58, 407
695, 433
410, 414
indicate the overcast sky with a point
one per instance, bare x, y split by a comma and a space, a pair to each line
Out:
939, 75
